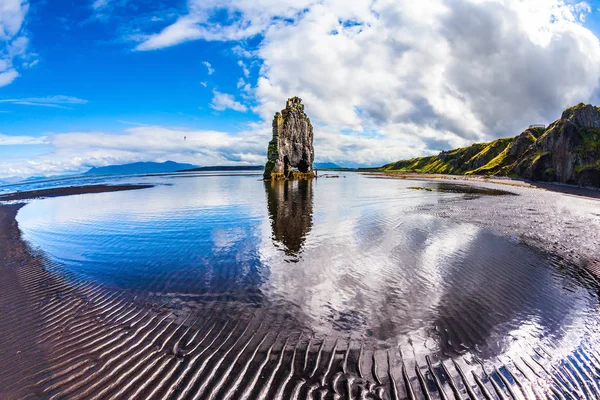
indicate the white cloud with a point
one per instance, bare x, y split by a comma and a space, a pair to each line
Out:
209, 67
381, 80
224, 101
13, 40
99, 4
7, 140
479, 69
245, 89
132, 123
241, 52
58, 99
30, 103
245, 69
247, 19
12, 15
31, 64
50, 101
75, 152
7, 77
421, 76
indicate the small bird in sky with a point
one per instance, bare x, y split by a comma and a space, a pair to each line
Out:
185, 137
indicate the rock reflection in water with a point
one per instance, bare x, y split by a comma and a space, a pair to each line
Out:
290, 205
363, 260
395, 278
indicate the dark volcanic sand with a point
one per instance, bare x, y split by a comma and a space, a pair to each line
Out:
566, 225
61, 337
69, 191
27, 326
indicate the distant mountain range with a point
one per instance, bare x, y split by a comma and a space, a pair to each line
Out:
154, 167
227, 168
165, 167
10, 180
326, 165
172, 166
140, 168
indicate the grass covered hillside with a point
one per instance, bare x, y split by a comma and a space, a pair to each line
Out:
567, 151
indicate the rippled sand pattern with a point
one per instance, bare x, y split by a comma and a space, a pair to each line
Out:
64, 336
97, 344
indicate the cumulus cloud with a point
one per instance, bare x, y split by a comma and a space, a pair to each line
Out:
422, 76
13, 40
243, 19
224, 101
381, 80
477, 69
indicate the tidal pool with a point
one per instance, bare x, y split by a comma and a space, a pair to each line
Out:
350, 257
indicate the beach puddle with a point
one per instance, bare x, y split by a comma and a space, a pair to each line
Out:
470, 191
348, 273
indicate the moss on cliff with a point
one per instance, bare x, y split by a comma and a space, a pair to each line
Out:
493, 167
292, 175
590, 141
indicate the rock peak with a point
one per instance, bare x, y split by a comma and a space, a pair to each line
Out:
583, 115
294, 102
290, 152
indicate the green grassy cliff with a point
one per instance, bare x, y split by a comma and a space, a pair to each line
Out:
567, 151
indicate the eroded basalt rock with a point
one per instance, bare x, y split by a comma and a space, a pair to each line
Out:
290, 153
569, 150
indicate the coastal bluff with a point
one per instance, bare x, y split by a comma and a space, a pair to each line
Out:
567, 151
290, 153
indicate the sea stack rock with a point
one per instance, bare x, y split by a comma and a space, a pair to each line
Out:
290, 152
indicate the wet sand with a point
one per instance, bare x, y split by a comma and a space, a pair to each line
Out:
505, 181
64, 338
69, 191
557, 219
37, 305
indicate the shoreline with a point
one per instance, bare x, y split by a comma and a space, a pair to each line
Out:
68, 338
69, 191
567, 229
39, 307
505, 181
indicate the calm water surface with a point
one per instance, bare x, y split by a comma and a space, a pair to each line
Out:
354, 257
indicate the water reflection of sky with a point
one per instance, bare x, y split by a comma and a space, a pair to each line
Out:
350, 256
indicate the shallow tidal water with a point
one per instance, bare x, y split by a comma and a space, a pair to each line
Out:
353, 258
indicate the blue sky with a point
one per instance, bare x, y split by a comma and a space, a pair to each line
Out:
95, 82
85, 53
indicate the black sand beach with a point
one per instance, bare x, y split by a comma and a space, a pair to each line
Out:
67, 338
